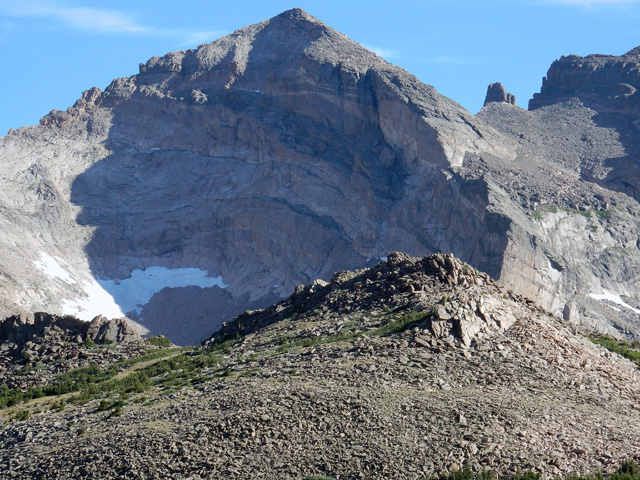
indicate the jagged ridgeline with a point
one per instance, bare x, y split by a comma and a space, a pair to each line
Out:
418, 286
218, 179
414, 366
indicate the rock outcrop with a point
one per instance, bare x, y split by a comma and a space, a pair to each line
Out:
497, 93
398, 282
604, 79
36, 348
17, 330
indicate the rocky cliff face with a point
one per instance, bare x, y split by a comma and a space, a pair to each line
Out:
497, 93
267, 159
218, 179
580, 132
609, 79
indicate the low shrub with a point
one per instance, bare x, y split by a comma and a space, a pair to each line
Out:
159, 341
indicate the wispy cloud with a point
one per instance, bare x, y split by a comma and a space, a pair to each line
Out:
98, 20
591, 3
381, 51
83, 18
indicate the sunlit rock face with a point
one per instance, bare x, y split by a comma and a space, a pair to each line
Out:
218, 179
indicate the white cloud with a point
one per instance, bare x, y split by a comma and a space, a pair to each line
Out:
591, 3
82, 18
98, 20
381, 51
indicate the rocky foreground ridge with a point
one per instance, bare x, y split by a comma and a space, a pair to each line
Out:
284, 152
395, 372
36, 348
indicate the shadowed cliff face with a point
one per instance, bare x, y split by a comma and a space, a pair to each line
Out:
272, 157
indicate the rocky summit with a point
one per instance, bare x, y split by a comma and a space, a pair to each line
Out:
412, 367
219, 178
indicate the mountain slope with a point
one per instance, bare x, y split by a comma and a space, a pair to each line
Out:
396, 372
581, 131
271, 157
218, 179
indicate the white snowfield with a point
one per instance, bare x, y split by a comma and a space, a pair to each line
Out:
97, 302
52, 267
612, 297
116, 298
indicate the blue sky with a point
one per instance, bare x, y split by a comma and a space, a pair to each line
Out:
52, 50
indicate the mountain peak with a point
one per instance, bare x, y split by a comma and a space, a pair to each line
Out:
295, 17
634, 52
296, 14
281, 43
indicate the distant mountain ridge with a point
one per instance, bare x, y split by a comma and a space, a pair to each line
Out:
284, 152
613, 79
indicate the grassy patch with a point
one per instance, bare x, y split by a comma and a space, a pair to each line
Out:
90, 381
159, 341
395, 325
149, 356
22, 415
537, 214
602, 214
71, 381
627, 350
573, 211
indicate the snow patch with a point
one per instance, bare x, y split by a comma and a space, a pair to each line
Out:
53, 267
612, 297
97, 302
116, 298
132, 293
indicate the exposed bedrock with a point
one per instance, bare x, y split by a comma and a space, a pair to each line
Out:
218, 179
607, 78
497, 93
